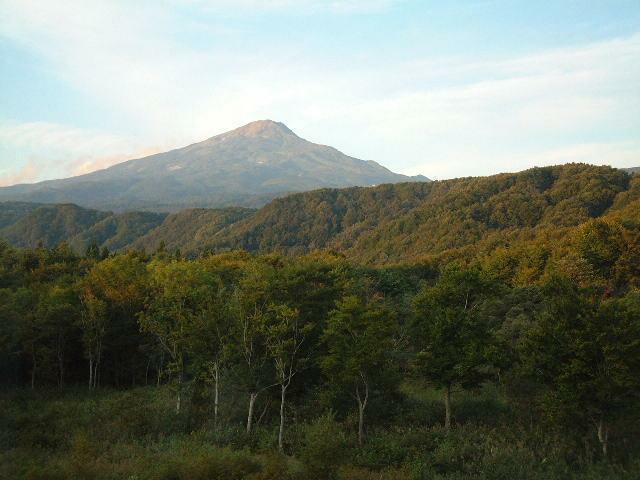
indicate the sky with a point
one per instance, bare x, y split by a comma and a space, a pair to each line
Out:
443, 89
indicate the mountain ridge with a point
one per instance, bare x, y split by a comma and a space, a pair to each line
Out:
245, 167
378, 225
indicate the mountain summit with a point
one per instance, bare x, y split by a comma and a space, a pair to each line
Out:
247, 166
263, 128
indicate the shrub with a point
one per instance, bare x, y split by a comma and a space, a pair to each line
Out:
324, 448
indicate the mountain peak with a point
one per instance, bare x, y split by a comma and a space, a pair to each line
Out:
244, 167
263, 128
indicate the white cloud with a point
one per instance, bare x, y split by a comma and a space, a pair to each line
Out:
440, 117
297, 6
25, 174
53, 150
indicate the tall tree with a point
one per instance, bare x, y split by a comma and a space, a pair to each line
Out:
588, 355
359, 340
120, 283
249, 305
178, 294
285, 336
93, 323
452, 336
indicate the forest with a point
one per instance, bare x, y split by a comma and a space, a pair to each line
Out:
518, 358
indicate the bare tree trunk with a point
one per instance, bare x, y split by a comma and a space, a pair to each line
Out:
360, 423
252, 402
447, 408
96, 364
362, 404
283, 392
603, 436
267, 404
146, 372
90, 372
216, 392
95, 375
179, 396
160, 364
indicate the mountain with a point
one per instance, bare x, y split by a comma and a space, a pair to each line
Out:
632, 170
11, 212
48, 224
377, 225
32, 224
393, 223
117, 231
245, 167
190, 230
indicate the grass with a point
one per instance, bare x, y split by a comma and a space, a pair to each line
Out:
135, 434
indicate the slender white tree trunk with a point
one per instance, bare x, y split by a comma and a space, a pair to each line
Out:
362, 404
603, 436
90, 372
360, 423
447, 408
216, 395
283, 393
252, 402
179, 395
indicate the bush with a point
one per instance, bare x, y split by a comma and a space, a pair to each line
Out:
324, 448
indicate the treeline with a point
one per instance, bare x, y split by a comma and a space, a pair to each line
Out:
293, 337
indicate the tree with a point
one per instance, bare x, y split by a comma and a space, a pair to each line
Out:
93, 323
177, 298
30, 328
58, 311
359, 340
285, 336
249, 304
120, 282
211, 343
451, 335
588, 355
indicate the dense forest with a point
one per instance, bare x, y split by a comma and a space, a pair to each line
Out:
384, 225
515, 358
482, 328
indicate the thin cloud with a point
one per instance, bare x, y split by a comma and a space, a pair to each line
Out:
440, 117
297, 6
55, 150
28, 173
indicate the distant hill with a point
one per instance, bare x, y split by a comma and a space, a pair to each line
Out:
48, 224
117, 231
632, 170
245, 167
377, 225
392, 223
190, 230
11, 212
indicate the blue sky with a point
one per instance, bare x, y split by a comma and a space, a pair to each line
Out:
445, 89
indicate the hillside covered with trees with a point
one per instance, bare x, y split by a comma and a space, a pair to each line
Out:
469, 329
387, 224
